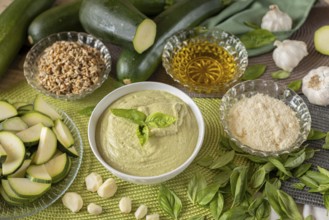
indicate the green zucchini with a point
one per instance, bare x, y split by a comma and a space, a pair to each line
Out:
13, 124
133, 67
14, 21
64, 17
33, 117
31, 135
42, 106
3, 154
152, 7
58, 167
47, 146
118, 22
7, 110
38, 173
26, 188
63, 134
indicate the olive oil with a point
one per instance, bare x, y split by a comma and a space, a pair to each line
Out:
203, 64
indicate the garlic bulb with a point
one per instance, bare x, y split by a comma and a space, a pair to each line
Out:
276, 20
316, 86
289, 53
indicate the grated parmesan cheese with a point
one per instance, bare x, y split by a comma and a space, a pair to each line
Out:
263, 123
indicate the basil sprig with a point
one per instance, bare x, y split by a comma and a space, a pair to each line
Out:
155, 120
169, 202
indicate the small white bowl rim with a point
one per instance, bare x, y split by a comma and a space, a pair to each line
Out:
140, 86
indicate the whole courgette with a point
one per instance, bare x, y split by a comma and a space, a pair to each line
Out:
118, 22
133, 67
14, 21
64, 17
152, 7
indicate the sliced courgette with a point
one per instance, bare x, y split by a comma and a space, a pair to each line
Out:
13, 124
26, 188
15, 150
24, 109
31, 135
42, 106
3, 154
47, 146
34, 117
22, 169
11, 194
17, 105
72, 151
7, 110
63, 134
7, 199
58, 167
38, 173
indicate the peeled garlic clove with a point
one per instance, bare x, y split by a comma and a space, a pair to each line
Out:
289, 53
275, 20
107, 189
72, 201
93, 181
141, 212
125, 205
316, 86
94, 209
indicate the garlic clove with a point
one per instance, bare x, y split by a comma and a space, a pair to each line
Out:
275, 20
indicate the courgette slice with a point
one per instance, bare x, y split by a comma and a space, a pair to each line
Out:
72, 151
34, 117
15, 150
7, 110
7, 199
31, 135
26, 188
3, 154
13, 124
42, 106
22, 169
47, 146
58, 167
63, 134
17, 105
38, 173
12, 195
24, 109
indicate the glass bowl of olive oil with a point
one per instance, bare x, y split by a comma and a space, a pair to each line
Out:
205, 60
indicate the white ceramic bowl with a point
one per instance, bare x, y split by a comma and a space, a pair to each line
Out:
124, 90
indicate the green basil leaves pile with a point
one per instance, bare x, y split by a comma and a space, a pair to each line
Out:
155, 120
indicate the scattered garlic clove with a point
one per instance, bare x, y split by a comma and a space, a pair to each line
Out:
107, 189
93, 181
125, 205
141, 212
72, 201
275, 20
289, 53
316, 86
153, 217
94, 209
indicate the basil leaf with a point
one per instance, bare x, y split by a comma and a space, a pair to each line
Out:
302, 169
251, 25
310, 217
238, 181
216, 206
223, 160
273, 199
288, 205
132, 114
236, 213
253, 158
295, 85
257, 179
159, 120
280, 74
197, 183
205, 161
142, 134
255, 203
309, 182
318, 177
230, 145
321, 189
316, 135
280, 166
223, 177
204, 196
268, 167
254, 72
323, 171
309, 153
169, 202
87, 111
257, 38
299, 186
325, 146
293, 162
326, 200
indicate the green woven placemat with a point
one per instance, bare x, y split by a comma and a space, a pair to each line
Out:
140, 194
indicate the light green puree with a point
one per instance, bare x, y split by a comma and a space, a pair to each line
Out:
166, 149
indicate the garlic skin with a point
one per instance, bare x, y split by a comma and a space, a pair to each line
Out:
316, 86
275, 20
289, 53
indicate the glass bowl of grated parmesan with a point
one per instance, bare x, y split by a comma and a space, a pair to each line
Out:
265, 118
67, 65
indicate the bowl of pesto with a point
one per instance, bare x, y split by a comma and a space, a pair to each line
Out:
146, 132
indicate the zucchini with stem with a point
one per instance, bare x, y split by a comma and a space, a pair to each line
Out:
118, 22
134, 67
